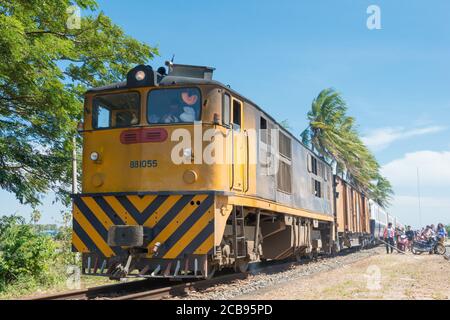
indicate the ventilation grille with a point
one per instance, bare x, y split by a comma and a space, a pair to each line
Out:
285, 146
143, 136
284, 177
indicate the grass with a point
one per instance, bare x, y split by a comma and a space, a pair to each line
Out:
345, 289
25, 288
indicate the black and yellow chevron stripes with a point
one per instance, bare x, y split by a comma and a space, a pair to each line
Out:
182, 223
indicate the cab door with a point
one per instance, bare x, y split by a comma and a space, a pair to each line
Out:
240, 147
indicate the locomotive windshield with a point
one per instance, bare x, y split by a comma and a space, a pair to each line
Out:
173, 106
116, 110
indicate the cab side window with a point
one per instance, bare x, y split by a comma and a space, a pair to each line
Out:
226, 109
237, 112
116, 110
263, 130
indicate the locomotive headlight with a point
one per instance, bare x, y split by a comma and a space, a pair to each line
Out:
94, 156
140, 75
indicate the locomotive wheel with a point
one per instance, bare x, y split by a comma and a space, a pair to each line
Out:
440, 249
241, 266
211, 271
299, 257
315, 255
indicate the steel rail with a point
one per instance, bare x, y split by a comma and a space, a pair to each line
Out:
102, 291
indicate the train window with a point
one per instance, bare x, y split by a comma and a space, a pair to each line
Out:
103, 117
174, 105
314, 168
284, 177
285, 145
321, 169
237, 112
116, 110
226, 106
270, 127
263, 130
317, 188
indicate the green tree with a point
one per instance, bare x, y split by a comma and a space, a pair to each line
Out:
36, 216
382, 192
332, 133
285, 124
25, 256
64, 238
45, 67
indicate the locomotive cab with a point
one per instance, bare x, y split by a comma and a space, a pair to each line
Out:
140, 138
147, 184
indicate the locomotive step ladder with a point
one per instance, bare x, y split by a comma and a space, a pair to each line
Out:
240, 250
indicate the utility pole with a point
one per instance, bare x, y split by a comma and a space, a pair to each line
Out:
418, 194
74, 165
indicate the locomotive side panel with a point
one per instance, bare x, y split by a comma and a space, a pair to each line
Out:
298, 179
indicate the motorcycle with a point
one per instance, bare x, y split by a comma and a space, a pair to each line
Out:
402, 243
433, 245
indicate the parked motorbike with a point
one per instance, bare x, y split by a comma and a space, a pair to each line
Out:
402, 243
433, 245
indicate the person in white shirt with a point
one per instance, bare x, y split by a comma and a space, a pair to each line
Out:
389, 236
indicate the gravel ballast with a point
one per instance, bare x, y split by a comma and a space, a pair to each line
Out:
261, 280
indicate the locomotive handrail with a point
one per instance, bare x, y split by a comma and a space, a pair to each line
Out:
247, 187
232, 156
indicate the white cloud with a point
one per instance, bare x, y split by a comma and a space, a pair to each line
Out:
383, 137
434, 169
434, 210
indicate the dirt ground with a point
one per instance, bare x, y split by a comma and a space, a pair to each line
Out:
395, 276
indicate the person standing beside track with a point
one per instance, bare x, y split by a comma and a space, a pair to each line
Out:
441, 233
411, 235
389, 235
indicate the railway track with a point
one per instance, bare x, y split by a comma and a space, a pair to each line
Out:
106, 291
141, 290
157, 289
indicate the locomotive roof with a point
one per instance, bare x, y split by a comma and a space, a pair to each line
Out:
165, 81
170, 80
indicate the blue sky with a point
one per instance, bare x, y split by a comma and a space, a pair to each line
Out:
281, 54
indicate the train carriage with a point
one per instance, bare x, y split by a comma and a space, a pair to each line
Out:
352, 215
378, 220
183, 176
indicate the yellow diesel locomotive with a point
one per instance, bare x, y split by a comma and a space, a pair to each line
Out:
183, 176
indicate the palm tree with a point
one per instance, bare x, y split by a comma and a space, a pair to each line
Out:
382, 191
332, 133
36, 216
325, 119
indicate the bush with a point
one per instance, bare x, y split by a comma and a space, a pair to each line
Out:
64, 238
27, 259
